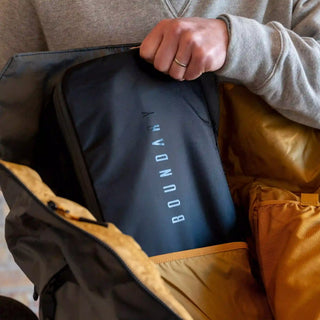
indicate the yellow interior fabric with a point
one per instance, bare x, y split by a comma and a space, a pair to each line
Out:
256, 142
276, 162
273, 169
33, 182
216, 285
125, 246
199, 252
287, 238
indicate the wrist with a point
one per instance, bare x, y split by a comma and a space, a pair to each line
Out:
224, 40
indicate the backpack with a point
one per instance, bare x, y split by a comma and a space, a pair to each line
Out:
94, 140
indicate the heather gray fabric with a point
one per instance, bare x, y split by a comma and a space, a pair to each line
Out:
274, 44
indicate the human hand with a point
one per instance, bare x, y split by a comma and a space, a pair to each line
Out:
185, 48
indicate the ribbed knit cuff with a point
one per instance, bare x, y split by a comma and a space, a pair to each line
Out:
253, 51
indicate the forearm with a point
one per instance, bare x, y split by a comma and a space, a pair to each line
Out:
277, 64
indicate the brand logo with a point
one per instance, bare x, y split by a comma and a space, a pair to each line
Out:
169, 190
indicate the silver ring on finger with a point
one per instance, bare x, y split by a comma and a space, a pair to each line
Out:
180, 63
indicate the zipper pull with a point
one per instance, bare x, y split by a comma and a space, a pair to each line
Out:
53, 206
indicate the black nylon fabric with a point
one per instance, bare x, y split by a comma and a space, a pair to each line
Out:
43, 244
148, 144
29, 133
26, 83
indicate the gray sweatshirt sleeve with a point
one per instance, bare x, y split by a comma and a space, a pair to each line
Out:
20, 30
281, 65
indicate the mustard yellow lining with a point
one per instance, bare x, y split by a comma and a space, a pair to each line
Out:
124, 246
310, 198
282, 202
198, 252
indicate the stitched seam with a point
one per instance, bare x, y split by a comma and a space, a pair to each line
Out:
5, 69
62, 52
75, 50
278, 59
191, 257
199, 252
171, 8
281, 203
184, 8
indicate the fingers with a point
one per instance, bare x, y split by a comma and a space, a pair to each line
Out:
186, 47
160, 46
197, 65
151, 43
163, 45
165, 53
183, 57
